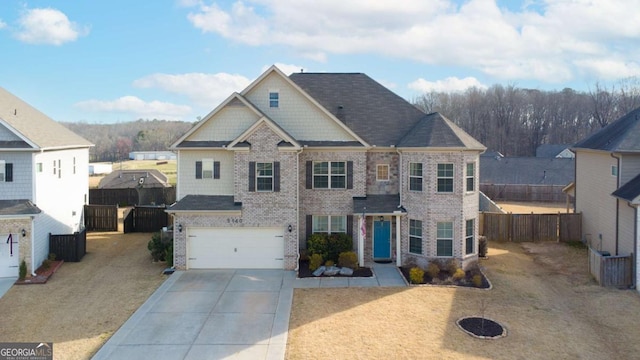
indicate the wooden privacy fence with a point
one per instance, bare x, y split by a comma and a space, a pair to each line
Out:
101, 217
531, 227
146, 219
611, 270
130, 197
69, 247
524, 192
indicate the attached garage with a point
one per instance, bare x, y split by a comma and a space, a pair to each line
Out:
242, 248
9, 258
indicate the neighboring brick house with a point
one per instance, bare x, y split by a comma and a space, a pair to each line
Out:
321, 152
607, 187
44, 182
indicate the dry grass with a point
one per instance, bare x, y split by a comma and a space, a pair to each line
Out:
533, 207
542, 294
84, 303
169, 168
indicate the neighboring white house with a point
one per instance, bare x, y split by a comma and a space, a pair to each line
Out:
100, 168
152, 155
323, 152
44, 183
607, 187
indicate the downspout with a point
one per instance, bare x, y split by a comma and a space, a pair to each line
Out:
33, 250
634, 266
617, 200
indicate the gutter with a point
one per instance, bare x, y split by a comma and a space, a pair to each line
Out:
617, 202
33, 250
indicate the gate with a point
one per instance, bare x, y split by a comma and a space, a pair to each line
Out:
101, 217
69, 247
146, 219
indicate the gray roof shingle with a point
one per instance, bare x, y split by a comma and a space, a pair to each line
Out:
630, 190
40, 129
377, 204
435, 130
622, 135
527, 170
18, 207
206, 203
550, 150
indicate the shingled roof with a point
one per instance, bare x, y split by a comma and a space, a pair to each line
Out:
527, 170
622, 135
629, 191
36, 127
435, 130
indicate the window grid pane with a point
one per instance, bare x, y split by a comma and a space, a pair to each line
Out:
274, 98
415, 176
469, 245
264, 176
444, 241
382, 172
471, 170
338, 224
445, 177
415, 236
207, 169
320, 224
330, 175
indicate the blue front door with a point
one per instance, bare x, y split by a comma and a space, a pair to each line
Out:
382, 240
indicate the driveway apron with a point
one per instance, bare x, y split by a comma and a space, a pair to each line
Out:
209, 314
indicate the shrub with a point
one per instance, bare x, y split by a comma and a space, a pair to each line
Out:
459, 274
433, 270
416, 275
329, 263
304, 256
483, 245
23, 270
348, 259
52, 257
168, 255
315, 261
477, 280
46, 264
329, 245
452, 266
158, 246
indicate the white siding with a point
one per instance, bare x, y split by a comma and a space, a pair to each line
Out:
296, 114
626, 225
187, 182
629, 167
21, 186
227, 124
594, 185
61, 198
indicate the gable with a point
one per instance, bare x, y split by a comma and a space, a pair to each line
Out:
226, 124
295, 113
9, 140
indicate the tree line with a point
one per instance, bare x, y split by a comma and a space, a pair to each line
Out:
515, 121
114, 142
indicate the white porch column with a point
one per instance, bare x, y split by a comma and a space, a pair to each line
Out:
398, 245
361, 235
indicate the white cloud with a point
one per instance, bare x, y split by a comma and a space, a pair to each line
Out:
2, 24
450, 84
207, 90
47, 26
540, 40
137, 108
288, 69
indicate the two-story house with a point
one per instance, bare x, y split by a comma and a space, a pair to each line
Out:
323, 152
44, 182
607, 186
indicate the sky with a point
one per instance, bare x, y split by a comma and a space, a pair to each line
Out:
115, 61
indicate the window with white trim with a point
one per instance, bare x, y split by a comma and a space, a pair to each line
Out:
329, 224
2, 171
415, 236
274, 99
55, 168
614, 170
59, 169
382, 172
207, 168
471, 172
74, 164
469, 243
39, 167
264, 176
444, 239
445, 178
415, 176
329, 175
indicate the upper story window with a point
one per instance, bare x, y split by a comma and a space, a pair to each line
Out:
444, 239
415, 236
74, 164
445, 177
274, 99
59, 169
207, 169
382, 172
6, 171
471, 172
415, 176
329, 224
469, 246
264, 176
329, 175
39, 167
55, 167
614, 170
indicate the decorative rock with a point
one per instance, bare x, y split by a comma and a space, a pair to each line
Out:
332, 271
346, 271
319, 271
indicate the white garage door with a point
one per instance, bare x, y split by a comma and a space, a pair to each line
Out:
242, 248
9, 259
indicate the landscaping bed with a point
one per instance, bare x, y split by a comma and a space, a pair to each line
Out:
304, 271
472, 278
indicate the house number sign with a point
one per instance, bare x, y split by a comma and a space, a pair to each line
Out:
234, 220
10, 242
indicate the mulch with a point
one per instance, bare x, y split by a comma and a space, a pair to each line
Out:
482, 327
304, 272
42, 274
444, 278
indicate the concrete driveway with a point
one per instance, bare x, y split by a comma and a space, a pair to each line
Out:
209, 314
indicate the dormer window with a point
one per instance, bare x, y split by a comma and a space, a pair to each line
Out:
274, 98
